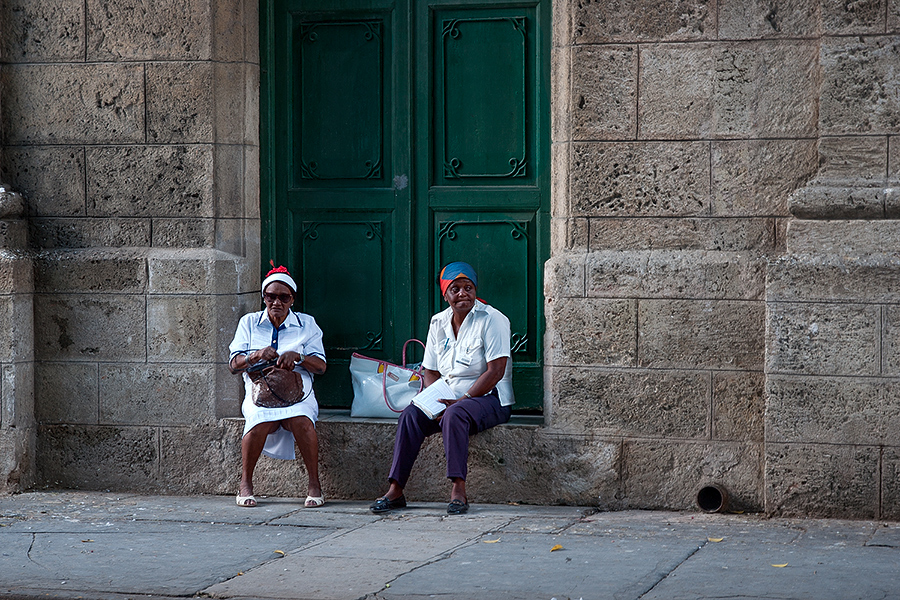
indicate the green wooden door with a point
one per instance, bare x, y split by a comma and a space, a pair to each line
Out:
399, 136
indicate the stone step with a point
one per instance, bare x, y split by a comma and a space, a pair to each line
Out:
843, 237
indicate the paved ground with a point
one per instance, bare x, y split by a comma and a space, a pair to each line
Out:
104, 546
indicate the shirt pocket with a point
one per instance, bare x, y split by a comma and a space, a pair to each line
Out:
470, 357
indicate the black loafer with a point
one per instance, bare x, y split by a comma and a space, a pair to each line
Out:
457, 507
383, 504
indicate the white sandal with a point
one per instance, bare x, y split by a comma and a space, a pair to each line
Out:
317, 501
246, 501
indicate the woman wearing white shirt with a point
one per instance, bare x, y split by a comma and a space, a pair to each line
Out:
468, 347
294, 340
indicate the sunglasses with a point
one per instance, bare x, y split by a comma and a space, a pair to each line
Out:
284, 298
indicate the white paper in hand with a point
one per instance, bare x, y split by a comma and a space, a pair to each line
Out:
429, 399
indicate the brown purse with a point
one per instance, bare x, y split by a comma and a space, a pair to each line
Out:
274, 387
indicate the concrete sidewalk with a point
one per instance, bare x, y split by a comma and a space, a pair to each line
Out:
99, 546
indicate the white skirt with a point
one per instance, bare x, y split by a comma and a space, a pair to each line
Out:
281, 443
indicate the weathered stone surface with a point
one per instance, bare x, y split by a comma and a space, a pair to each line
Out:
827, 277
206, 459
709, 334
561, 92
658, 404
230, 22
738, 406
560, 159
890, 341
157, 181
108, 327
105, 271
145, 30
852, 158
830, 410
171, 393
668, 474
568, 235
890, 484
564, 276
672, 274
17, 395
17, 332
756, 177
72, 104
700, 233
17, 459
42, 30
67, 392
859, 85
16, 273
866, 16
228, 235
52, 179
250, 193
823, 202
766, 89
640, 179
604, 92
12, 205
843, 238
229, 392
823, 339
625, 21
97, 458
754, 19
101, 232
180, 105
184, 233
677, 91
591, 331
231, 86
894, 158
199, 271
228, 173
13, 234
181, 328
824, 481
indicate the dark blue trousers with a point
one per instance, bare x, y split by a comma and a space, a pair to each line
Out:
461, 420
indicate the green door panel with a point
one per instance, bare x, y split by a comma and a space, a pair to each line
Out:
398, 136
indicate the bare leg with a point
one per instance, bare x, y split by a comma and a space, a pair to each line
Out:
458, 490
308, 441
251, 447
394, 491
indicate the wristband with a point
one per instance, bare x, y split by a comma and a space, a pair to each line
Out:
468, 395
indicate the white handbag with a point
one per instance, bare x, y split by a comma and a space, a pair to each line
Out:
382, 389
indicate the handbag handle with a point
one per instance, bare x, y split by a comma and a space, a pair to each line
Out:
404, 349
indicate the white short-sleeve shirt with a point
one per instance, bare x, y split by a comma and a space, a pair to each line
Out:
461, 359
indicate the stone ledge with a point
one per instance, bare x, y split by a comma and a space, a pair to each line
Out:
342, 415
845, 202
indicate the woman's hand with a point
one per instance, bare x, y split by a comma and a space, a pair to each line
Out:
288, 360
262, 355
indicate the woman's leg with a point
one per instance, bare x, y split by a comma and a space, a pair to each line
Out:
251, 447
412, 429
308, 441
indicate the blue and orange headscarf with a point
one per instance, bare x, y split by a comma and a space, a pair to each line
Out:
455, 270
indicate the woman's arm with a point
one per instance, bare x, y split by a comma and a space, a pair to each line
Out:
313, 364
485, 383
240, 362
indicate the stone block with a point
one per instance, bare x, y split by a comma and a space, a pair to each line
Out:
181, 328
252, 110
635, 403
890, 484
107, 327
231, 87
17, 456
706, 334
604, 92
739, 406
766, 89
643, 20
761, 19
180, 103
846, 18
823, 339
894, 157
170, 393
206, 459
141, 30
98, 458
150, 181
228, 174
677, 91
643, 179
67, 392
16, 273
17, 332
561, 94
591, 331
843, 238
13, 234
560, 166
667, 475
822, 278
250, 192
101, 271
821, 481
229, 392
51, 179
860, 85
756, 177
831, 202
568, 235
564, 276
890, 340
202, 271
17, 395
830, 410
42, 30
852, 158
700, 233
675, 274
229, 24
228, 235
101, 232
72, 104
184, 233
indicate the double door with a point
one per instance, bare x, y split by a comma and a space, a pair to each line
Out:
398, 136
